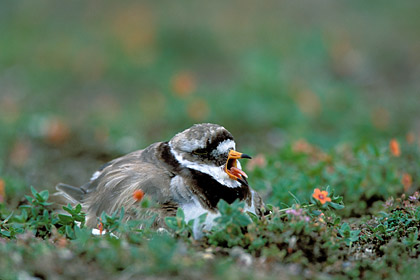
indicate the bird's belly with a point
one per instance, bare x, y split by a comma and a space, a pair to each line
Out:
193, 211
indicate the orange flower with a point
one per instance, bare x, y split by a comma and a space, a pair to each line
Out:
100, 227
406, 181
138, 195
394, 146
322, 196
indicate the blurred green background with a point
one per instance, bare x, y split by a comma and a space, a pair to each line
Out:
82, 82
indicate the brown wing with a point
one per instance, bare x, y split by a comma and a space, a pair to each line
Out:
114, 187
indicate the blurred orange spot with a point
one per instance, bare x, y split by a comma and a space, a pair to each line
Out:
138, 195
57, 131
330, 169
394, 147
410, 138
62, 242
308, 102
302, 146
20, 153
134, 27
2, 191
257, 161
198, 110
406, 181
380, 118
183, 84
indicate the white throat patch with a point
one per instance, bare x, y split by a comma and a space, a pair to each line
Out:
216, 172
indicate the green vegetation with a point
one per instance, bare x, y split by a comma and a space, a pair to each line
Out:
308, 237
322, 95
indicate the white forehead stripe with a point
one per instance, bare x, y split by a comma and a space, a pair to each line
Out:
224, 146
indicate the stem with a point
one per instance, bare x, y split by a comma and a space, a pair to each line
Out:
285, 209
303, 206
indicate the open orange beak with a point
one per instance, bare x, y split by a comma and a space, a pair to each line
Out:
231, 167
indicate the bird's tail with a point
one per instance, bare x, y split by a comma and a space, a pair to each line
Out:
74, 194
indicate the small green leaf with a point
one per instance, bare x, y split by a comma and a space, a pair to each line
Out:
380, 228
44, 194
335, 205
253, 217
5, 233
34, 192
171, 222
337, 221
202, 218
65, 219
180, 213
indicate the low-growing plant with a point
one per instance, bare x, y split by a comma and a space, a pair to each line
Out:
230, 225
349, 236
67, 224
400, 221
8, 229
36, 214
111, 223
38, 217
178, 224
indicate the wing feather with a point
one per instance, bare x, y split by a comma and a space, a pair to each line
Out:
114, 187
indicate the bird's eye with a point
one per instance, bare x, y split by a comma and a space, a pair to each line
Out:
200, 152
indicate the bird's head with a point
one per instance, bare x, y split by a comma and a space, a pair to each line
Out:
210, 149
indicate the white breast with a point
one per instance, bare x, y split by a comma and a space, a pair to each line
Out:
193, 209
